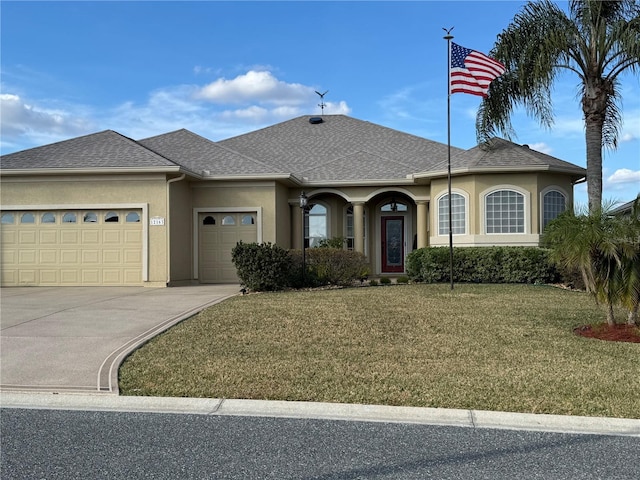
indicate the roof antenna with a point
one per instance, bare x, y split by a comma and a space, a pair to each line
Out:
322, 104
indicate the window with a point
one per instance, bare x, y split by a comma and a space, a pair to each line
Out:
7, 218
69, 218
111, 217
458, 214
394, 206
350, 231
553, 204
90, 217
247, 220
504, 212
132, 217
228, 220
28, 218
315, 229
209, 220
48, 218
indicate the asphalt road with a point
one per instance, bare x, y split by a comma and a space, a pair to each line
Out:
57, 444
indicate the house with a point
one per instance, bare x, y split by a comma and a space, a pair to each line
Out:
103, 209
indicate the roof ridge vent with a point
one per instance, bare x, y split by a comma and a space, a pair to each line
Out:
315, 120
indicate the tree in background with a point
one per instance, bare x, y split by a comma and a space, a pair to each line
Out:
598, 41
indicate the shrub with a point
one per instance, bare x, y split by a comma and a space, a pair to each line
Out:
262, 266
482, 265
336, 266
402, 279
335, 242
385, 281
373, 283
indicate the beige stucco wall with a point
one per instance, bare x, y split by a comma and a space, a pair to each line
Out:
180, 223
476, 186
93, 191
230, 195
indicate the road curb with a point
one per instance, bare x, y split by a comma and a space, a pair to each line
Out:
326, 411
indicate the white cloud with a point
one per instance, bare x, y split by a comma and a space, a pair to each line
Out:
261, 99
624, 176
541, 147
255, 86
24, 119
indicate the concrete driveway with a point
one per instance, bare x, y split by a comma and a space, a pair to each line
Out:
56, 339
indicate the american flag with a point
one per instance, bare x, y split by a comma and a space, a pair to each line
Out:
471, 71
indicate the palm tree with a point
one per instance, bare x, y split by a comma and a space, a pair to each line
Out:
591, 243
598, 41
630, 254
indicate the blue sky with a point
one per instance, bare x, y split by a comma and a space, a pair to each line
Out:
221, 69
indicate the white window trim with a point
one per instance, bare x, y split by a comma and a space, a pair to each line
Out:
527, 208
465, 195
328, 209
551, 188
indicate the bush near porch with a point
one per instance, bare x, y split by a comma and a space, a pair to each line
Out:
482, 265
268, 267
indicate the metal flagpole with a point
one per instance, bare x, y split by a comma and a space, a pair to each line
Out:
448, 37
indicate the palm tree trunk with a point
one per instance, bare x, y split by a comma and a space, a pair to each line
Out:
611, 321
593, 106
632, 319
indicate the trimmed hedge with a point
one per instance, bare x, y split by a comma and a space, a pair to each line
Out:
482, 265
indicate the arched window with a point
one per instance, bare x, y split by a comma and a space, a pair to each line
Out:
504, 212
394, 206
48, 217
458, 214
209, 220
111, 217
7, 218
248, 220
28, 217
69, 217
553, 204
315, 229
132, 217
228, 220
90, 217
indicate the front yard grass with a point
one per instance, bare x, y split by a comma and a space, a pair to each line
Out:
486, 347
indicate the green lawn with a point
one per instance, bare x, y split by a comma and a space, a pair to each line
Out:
486, 347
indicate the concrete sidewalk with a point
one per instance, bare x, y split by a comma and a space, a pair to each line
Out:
327, 411
57, 339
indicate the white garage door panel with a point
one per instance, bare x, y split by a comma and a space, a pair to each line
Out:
216, 240
68, 253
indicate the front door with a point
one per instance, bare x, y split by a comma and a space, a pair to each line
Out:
392, 244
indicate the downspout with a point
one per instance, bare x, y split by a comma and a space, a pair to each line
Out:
168, 224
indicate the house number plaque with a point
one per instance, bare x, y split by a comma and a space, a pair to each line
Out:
156, 221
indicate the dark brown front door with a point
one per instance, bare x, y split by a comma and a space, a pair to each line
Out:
392, 244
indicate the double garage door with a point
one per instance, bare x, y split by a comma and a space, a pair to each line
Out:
71, 247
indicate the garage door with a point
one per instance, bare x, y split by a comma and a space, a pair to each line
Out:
218, 233
71, 247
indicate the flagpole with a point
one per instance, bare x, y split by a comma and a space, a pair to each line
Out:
448, 37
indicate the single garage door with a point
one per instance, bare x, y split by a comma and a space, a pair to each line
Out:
71, 247
218, 233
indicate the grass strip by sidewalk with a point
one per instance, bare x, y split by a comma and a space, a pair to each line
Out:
486, 347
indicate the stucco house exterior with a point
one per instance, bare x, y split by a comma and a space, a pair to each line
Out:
104, 209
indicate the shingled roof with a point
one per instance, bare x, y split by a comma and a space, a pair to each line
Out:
340, 148
102, 150
337, 150
199, 155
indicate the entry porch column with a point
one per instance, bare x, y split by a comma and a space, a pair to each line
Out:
358, 226
423, 222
